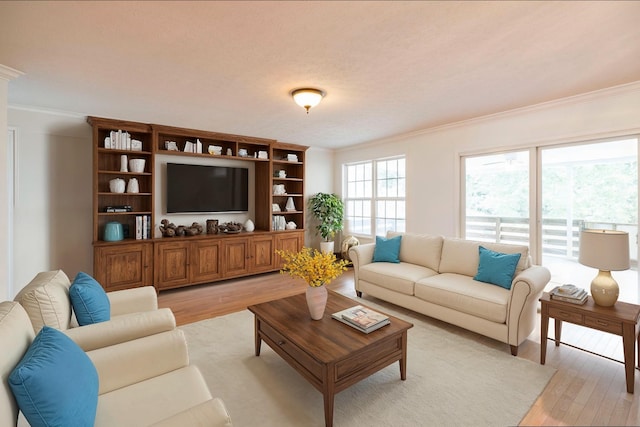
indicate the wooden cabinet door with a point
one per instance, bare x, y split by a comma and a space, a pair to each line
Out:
172, 264
288, 241
236, 257
262, 254
205, 261
123, 266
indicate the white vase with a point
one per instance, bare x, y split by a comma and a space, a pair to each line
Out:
316, 301
326, 247
249, 226
123, 163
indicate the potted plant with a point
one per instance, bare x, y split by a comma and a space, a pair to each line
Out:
317, 269
328, 210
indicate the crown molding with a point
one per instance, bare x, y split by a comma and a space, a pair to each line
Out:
574, 99
8, 73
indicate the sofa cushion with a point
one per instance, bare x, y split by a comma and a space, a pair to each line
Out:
462, 256
55, 383
463, 294
89, 300
387, 250
46, 300
397, 277
420, 249
496, 268
147, 402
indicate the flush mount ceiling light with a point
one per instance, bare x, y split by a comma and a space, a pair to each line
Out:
307, 97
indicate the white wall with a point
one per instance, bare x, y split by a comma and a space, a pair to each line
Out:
319, 164
53, 211
432, 155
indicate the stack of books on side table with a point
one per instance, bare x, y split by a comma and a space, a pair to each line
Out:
569, 293
362, 318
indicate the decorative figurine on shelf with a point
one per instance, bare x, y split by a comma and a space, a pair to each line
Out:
169, 229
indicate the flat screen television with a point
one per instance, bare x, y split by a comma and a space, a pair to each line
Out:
200, 188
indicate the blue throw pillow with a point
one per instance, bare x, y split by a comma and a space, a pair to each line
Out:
90, 302
55, 383
387, 250
496, 268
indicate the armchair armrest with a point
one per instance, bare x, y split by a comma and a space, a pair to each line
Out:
133, 300
122, 328
212, 413
134, 361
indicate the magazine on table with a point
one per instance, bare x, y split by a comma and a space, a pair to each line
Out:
362, 318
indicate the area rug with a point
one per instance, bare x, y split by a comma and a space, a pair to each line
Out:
452, 380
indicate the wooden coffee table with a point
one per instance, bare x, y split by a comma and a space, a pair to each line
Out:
329, 354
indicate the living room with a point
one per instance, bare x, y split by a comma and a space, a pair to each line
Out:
588, 95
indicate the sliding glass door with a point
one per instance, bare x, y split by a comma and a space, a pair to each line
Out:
588, 186
544, 196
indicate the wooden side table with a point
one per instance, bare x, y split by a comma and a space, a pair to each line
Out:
621, 319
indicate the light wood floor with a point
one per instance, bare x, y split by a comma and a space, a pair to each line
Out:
586, 389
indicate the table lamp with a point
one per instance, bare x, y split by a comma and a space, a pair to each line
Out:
606, 250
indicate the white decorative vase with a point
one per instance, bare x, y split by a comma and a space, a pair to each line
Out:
249, 226
117, 185
326, 247
123, 163
316, 301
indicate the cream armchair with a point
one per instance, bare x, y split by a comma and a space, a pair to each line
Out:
134, 312
142, 382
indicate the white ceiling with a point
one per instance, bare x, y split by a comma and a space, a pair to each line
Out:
388, 67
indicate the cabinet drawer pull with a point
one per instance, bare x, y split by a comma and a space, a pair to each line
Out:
602, 322
281, 343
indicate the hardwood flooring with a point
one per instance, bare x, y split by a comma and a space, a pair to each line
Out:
586, 389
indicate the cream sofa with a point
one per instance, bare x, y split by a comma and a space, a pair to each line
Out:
134, 312
435, 277
142, 382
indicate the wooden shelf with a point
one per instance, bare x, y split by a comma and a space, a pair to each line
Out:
131, 262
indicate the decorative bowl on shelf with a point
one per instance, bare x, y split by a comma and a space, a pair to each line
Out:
136, 165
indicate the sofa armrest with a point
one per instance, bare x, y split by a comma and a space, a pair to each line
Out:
133, 300
360, 255
212, 413
525, 292
122, 328
134, 361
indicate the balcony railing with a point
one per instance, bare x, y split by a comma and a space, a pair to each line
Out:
559, 236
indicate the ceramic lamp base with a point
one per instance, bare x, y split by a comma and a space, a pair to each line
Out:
604, 289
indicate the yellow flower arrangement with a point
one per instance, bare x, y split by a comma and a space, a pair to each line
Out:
314, 267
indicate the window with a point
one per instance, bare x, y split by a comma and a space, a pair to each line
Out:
375, 196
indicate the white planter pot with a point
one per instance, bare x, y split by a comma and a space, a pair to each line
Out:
326, 247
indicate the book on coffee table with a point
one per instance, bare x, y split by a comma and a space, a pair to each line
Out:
362, 318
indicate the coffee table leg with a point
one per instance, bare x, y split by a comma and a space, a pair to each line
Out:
328, 394
258, 340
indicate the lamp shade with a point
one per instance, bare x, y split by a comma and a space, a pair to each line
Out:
606, 250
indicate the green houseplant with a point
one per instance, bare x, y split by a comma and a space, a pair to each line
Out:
328, 210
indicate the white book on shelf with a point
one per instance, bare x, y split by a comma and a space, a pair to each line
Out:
138, 227
144, 227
